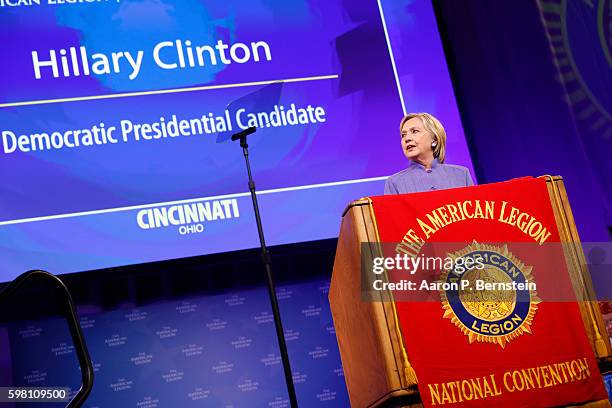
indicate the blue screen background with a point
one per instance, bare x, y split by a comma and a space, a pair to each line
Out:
69, 210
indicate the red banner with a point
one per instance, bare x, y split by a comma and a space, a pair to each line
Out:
470, 350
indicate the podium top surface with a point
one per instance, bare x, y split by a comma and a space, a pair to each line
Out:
366, 200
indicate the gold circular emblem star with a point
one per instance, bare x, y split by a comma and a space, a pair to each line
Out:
490, 305
502, 311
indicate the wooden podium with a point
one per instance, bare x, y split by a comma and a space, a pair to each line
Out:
371, 347
376, 365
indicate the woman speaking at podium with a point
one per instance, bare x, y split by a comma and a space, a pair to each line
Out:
424, 145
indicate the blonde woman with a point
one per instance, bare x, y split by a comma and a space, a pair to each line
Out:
424, 145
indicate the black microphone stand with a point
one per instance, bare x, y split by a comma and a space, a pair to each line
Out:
242, 136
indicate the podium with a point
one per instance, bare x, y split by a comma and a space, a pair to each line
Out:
380, 351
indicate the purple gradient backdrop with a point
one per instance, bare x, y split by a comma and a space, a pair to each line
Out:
308, 38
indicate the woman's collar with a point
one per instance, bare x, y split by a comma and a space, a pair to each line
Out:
434, 164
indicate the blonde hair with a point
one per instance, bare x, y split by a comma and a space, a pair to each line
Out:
433, 126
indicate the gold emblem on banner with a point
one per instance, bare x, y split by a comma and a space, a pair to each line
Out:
493, 302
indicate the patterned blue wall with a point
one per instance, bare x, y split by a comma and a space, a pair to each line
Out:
214, 351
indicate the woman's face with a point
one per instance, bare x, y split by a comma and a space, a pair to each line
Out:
416, 140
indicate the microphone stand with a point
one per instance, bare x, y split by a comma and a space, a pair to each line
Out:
265, 255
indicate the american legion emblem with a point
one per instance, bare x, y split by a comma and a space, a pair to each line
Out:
495, 303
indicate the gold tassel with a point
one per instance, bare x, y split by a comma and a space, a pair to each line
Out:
600, 346
409, 374
410, 377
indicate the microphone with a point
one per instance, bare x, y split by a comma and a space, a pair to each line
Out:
243, 133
